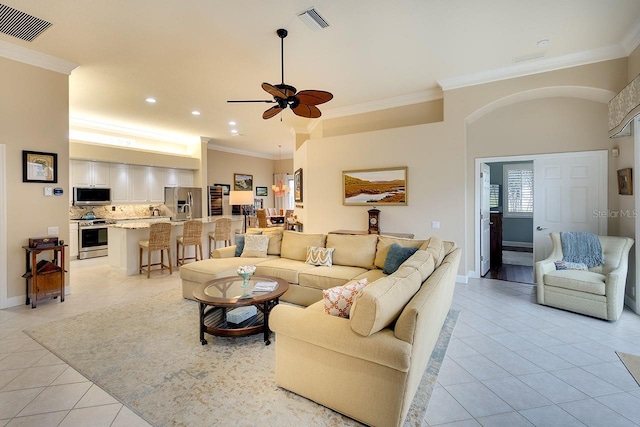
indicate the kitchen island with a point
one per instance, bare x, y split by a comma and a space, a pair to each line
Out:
124, 239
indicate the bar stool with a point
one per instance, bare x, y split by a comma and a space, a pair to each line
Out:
191, 236
159, 240
222, 233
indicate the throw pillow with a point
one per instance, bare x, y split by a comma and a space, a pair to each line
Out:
338, 300
319, 256
240, 243
255, 246
396, 256
566, 265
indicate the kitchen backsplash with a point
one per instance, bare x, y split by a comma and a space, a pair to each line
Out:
120, 212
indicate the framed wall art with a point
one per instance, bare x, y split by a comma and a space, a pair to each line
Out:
625, 183
242, 182
297, 185
225, 188
39, 167
386, 186
262, 191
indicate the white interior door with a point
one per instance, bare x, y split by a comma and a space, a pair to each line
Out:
570, 194
485, 219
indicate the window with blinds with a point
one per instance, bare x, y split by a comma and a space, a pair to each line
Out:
518, 194
494, 196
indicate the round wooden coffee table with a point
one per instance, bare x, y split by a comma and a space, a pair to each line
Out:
219, 295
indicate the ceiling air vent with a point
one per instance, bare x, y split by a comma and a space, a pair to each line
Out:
21, 25
313, 19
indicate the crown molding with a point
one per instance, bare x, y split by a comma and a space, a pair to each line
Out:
535, 67
212, 146
631, 40
38, 59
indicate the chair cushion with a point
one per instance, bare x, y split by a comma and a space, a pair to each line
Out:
576, 280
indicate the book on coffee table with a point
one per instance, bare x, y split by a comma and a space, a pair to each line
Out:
265, 286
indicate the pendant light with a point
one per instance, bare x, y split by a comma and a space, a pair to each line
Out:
280, 190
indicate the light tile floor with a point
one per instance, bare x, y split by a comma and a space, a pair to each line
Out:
510, 362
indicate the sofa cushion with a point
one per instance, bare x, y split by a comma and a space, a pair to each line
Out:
208, 269
338, 300
319, 256
255, 246
576, 280
380, 303
284, 268
294, 244
396, 255
353, 250
436, 247
327, 277
422, 261
385, 242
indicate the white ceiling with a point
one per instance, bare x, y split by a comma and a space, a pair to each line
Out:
197, 54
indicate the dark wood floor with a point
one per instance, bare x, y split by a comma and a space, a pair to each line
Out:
514, 273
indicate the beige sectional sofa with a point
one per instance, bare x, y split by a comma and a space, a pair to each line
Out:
367, 366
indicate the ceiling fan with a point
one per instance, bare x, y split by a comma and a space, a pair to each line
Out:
302, 103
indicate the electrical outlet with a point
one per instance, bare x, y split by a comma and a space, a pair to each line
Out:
52, 231
113, 208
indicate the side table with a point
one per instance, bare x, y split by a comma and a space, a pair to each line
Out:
44, 279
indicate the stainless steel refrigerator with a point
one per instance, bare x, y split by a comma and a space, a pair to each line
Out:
183, 202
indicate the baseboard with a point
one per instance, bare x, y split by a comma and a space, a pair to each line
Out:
22, 299
629, 302
517, 244
462, 279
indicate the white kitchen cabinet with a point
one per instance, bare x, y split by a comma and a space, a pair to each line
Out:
145, 184
185, 178
119, 179
89, 174
171, 178
73, 239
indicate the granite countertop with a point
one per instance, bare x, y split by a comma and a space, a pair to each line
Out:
144, 224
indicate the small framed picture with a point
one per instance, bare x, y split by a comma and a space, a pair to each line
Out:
39, 167
262, 191
625, 184
297, 185
225, 188
242, 182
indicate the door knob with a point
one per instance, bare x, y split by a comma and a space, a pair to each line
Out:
540, 228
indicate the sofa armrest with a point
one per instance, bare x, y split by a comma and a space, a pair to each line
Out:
334, 333
226, 252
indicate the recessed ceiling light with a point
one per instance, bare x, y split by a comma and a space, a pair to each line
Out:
234, 131
195, 112
151, 100
543, 43
232, 123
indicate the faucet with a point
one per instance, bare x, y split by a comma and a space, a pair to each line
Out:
186, 208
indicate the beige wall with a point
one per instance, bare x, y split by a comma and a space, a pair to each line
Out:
222, 165
34, 115
441, 156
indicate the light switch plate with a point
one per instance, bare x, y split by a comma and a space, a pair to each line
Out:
52, 231
48, 191
435, 224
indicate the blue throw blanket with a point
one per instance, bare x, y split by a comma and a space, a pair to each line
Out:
581, 247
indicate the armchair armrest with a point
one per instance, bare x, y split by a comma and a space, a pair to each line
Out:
335, 334
226, 252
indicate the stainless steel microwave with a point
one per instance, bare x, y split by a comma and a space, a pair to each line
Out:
91, 196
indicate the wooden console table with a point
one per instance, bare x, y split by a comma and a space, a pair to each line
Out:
44, 279
382, 233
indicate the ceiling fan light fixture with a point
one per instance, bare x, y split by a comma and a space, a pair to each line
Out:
313, 19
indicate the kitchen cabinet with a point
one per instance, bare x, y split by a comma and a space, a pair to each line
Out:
86, 173
186, 178
146, 184
119, 179
178, 178
73, 239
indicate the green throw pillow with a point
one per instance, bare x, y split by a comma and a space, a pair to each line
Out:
396, 256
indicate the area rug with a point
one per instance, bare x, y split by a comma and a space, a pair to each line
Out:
632, 363
148, 355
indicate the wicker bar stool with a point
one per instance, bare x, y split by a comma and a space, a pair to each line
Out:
159, 240
262, 218
221, 233
191, 236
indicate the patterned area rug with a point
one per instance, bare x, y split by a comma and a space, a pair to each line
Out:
632, 363
148, 355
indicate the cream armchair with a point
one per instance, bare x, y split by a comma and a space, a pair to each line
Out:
598, 292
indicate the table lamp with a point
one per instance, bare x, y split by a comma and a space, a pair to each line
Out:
242, 198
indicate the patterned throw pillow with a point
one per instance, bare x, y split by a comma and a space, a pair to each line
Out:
338, 300
319, 256
255, 246
396, 256
240, 243
566, 265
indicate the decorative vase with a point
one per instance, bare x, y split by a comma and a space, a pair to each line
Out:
245, 284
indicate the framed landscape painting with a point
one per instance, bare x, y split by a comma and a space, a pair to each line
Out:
242, 182
386, 186
297, 186
262, 191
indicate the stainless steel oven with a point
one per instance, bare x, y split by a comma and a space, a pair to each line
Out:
92, 238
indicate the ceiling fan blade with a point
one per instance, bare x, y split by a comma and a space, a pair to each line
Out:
271, 112
314, 97
268, 101
274, 91
308, 111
